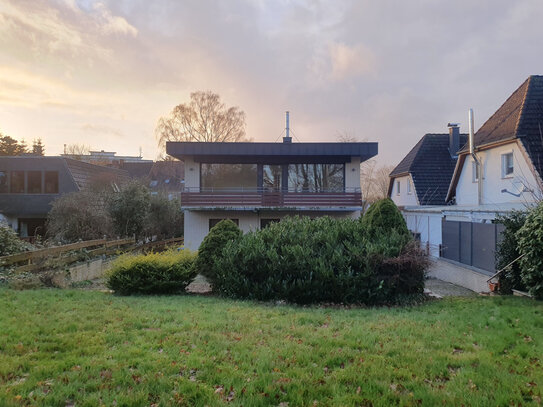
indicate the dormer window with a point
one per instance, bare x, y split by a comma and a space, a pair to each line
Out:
507, 165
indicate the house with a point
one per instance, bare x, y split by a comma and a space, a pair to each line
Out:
424, 175
162, 177
106, 158
257, 183
504, 173
28, 186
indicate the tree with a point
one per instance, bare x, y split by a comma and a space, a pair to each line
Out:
129, 207
164, 218
205, 118
374, 181
76, 151
10, 147
38, 148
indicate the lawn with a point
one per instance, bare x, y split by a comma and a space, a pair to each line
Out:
85, 348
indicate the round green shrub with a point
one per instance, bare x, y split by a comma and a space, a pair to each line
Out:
156, 273
212, 246
384, 216
303, 261
530, 245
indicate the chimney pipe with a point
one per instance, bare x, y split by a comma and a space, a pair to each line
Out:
454, 139
478, 164
287, 138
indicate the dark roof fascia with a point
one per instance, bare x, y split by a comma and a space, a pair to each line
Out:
271, 152
456, 176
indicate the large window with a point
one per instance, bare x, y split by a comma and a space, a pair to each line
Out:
316, 177
51, 182
17, 185
271, 177
3, 182
34, 182
228, 176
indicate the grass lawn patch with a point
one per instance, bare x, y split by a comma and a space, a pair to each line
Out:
84, 348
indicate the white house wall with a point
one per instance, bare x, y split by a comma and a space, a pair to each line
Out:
493, 183
404, 198
352, 174
197, 222
192, 173
428, 225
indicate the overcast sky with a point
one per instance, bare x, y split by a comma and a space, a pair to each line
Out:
103, 72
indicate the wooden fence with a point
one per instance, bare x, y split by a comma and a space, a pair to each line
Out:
36, 259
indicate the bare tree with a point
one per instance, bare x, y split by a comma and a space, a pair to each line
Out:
205, 118
374, 181
77, 151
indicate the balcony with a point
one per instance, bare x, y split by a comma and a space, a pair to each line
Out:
255, 198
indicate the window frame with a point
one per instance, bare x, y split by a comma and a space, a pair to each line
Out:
13, 184
57, 179
409, 187
398, 187
30, 174
504, 166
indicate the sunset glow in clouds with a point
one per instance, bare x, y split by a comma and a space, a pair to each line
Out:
103, 72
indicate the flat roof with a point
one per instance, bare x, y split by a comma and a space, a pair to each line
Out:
280, 153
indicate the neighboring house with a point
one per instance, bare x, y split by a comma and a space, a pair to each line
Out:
509, 149
106, 158
255, 184
424, 175
166, 177
28, 186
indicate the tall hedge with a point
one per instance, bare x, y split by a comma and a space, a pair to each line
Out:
384, 216
507, 252
212, 246
322, 260
530, 245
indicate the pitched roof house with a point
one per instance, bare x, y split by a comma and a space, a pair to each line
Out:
424, 175
29, 184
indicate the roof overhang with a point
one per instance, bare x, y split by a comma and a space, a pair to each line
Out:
271, 153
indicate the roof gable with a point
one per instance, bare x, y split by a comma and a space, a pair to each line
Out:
431, 167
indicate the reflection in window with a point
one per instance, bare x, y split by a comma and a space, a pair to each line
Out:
316, 177
34, 182
17, 185
228, 176
271, 177
3, 182
51, 182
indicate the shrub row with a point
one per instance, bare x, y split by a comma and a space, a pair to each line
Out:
156, 273
322, 260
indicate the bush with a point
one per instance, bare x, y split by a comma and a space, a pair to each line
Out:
129, 208
79, 216
164, 218
530, 245
212, 246
323, 260
384, 216
156, 273
10, 242
507, 251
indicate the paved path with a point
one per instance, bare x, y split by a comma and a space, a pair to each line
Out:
445, 289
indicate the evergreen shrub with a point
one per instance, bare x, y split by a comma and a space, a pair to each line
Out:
322, 260
530, 245
155, 273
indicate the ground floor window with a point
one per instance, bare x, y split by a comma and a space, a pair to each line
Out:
266, 222
213, 222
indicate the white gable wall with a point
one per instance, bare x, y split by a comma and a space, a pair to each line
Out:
493, 182
404, 198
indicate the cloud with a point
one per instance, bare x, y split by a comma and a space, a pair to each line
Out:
111, 24
349, 62
102, 130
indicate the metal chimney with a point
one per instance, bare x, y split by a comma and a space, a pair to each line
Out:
471, 132
287, 138
478, 163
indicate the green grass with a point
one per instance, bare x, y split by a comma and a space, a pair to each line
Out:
87, 348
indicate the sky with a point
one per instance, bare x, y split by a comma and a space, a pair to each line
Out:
102, 73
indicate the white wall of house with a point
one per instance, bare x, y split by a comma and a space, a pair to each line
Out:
192, 173
406, 195
352, 174
197, 222
495, 180
428, 225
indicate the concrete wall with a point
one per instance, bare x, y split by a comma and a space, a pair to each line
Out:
493, 183
404, 198
197, 222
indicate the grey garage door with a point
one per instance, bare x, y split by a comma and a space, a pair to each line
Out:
470, 243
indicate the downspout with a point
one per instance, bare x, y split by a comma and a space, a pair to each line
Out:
478, 163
